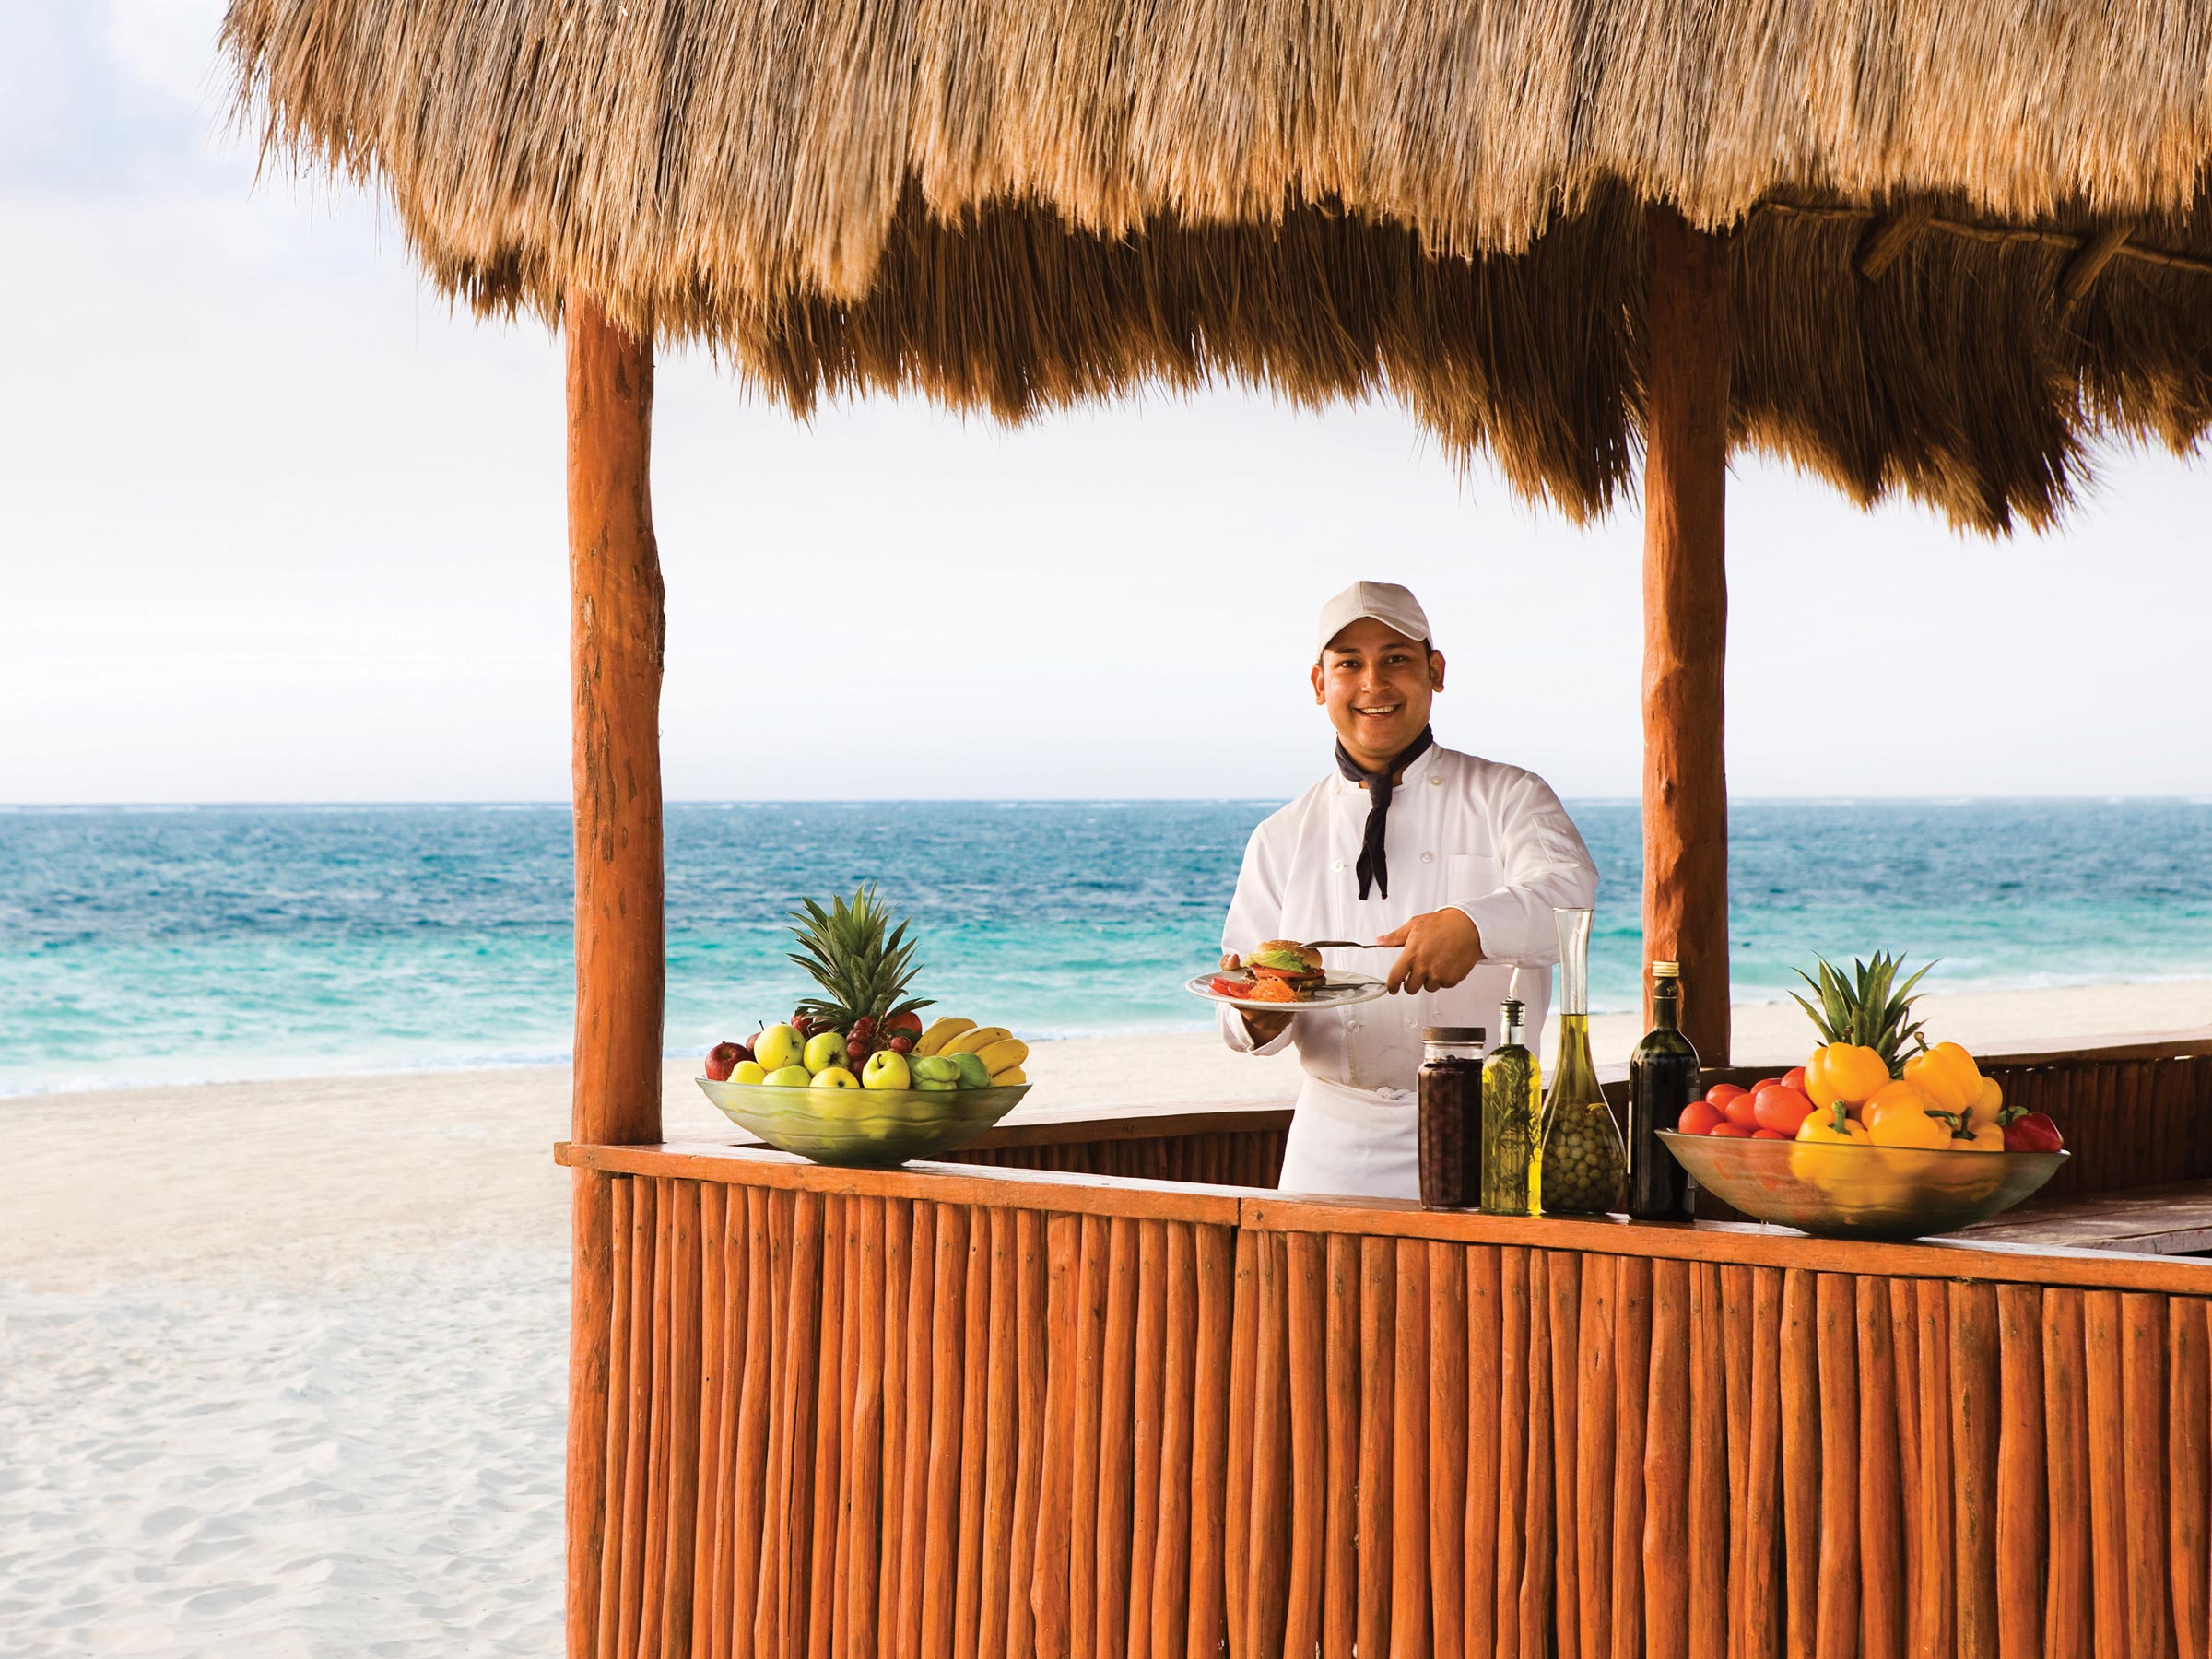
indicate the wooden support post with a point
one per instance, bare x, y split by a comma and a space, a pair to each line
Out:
617, 633
615, 664
1686, 622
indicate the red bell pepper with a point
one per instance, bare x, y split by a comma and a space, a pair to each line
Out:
2031, 1132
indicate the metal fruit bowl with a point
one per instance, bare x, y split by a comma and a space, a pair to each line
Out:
863, 1128
1850, 1192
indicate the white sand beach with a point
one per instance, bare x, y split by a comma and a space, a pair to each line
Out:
284, 1361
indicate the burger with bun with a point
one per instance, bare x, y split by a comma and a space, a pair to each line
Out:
1288, 963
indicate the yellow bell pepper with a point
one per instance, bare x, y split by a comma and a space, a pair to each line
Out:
1833, 1127
1845, 1072
1946, 1075
1899, 1115
1813, 1163
1976, 1133
1991, 1103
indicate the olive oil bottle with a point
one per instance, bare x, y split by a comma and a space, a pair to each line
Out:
1511, 1095
1580, 1169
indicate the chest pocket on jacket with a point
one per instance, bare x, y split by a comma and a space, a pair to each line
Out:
1471, 876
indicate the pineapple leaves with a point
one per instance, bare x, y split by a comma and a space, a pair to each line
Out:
1869, 1009
862, 963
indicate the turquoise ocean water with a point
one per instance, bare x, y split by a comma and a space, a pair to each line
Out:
166, 944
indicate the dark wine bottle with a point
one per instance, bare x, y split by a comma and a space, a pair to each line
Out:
1663, 1079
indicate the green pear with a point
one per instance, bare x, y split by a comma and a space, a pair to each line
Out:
974, 1074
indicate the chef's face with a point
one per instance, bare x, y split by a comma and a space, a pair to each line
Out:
1377, 685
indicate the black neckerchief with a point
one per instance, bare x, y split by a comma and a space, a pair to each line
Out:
1373, 870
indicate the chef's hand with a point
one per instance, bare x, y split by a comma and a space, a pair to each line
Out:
1264, 1029
1441, 948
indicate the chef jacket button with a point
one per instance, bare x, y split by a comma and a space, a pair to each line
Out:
1337, 865
1436, 777
1428, 858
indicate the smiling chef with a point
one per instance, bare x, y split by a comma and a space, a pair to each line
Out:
1456, 861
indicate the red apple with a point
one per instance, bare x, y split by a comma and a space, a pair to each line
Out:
722, 1058
909, 1023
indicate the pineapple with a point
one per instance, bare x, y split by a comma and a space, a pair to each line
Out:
863, 963
1868, 1011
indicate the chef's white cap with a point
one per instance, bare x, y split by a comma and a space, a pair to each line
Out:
1385, 601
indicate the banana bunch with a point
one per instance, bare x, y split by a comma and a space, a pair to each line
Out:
1001, 1051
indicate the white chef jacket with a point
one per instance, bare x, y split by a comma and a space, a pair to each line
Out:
1463, 833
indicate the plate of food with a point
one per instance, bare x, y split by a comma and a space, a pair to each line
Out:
1280, 975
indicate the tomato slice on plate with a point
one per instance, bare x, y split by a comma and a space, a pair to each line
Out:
1222, 986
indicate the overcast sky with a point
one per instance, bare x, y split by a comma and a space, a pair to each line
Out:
274, 525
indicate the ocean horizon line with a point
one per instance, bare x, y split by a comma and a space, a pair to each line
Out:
1951, 797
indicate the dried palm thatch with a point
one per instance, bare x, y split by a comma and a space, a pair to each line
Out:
1968, 240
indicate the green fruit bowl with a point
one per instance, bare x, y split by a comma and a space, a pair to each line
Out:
1845, 1192
863, 1128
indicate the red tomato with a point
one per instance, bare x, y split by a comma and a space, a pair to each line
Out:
1720, 1094
1764, 1082
1767, 1135
1795, 1078
1781, 1109
1735, 1131
1698, 1118
1222, 986
1738, 1109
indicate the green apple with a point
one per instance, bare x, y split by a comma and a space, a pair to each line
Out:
777, 1047
936, 1068
749, 1071
885, 1069
824, 1050
789, 1076
835, 1076
974, 1074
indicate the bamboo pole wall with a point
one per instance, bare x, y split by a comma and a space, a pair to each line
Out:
842, 1425
1562, 1451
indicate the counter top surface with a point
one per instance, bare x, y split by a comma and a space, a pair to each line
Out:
1754, 1244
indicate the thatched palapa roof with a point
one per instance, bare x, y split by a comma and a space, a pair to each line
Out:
1968, 237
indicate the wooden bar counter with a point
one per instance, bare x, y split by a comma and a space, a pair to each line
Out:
971, 1411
